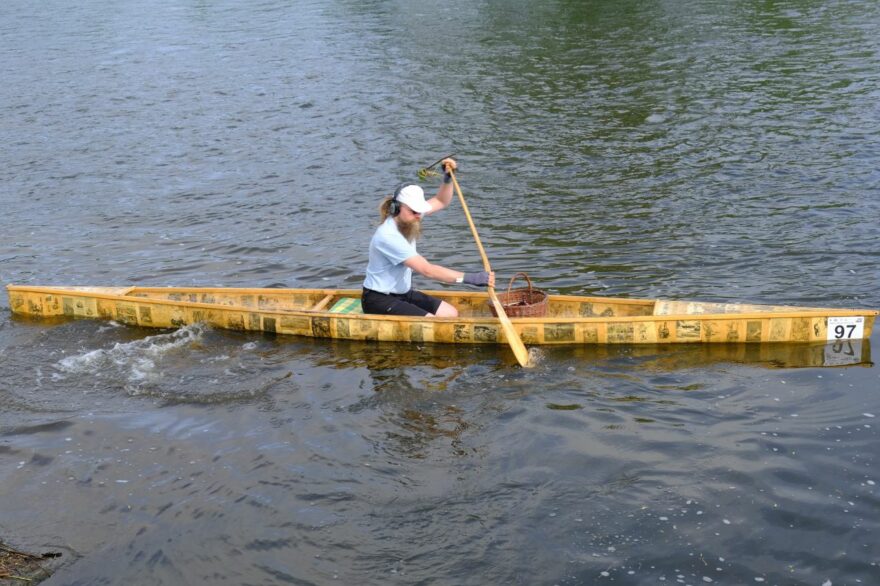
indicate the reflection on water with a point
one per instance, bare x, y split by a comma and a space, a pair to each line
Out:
772, 355
379, 357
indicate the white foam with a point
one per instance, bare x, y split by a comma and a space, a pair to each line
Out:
138, 357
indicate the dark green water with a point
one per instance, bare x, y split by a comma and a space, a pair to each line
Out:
712, 150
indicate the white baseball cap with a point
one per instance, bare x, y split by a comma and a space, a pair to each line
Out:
414, 197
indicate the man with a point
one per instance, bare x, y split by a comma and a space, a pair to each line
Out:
393, 256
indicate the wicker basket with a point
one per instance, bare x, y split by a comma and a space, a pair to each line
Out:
522, 301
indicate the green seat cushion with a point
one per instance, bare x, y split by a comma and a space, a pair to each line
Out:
347, 305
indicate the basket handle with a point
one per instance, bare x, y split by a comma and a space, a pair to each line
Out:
512, 279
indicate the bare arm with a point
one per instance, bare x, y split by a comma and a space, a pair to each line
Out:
442, 199
421, 265
444, 193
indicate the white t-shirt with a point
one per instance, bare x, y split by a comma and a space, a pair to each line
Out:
386, 272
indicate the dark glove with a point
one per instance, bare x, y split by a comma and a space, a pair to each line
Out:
480, 279
447, 176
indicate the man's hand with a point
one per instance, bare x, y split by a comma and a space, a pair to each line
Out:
481, 279
448, 164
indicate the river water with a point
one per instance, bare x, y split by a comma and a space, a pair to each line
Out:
725, 151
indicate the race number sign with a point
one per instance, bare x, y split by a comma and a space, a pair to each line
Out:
846, 328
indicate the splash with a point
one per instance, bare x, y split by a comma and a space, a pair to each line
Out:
536, 356
136, 360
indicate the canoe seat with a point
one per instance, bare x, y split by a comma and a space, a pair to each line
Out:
319, 306
347, 305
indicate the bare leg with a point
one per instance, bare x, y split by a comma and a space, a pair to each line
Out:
446, 310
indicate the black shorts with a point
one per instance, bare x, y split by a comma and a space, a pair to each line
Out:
410, 303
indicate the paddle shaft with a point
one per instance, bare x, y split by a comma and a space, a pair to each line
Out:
516, 343
467, 213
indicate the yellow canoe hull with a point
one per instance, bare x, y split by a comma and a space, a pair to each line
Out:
570, 320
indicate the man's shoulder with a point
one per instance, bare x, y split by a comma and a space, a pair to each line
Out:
391, 241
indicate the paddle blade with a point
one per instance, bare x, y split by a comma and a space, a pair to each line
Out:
516, 343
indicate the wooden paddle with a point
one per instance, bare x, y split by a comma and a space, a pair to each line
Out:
516, 344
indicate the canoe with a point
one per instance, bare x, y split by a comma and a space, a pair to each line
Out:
335, 313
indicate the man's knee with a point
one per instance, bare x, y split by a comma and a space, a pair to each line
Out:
446, 310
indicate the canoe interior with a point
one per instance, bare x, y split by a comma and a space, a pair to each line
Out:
469, 304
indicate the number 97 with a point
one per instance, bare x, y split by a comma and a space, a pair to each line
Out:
844, 331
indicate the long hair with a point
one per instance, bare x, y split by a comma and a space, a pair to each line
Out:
385, 209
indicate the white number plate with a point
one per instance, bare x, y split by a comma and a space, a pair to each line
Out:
846, 328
